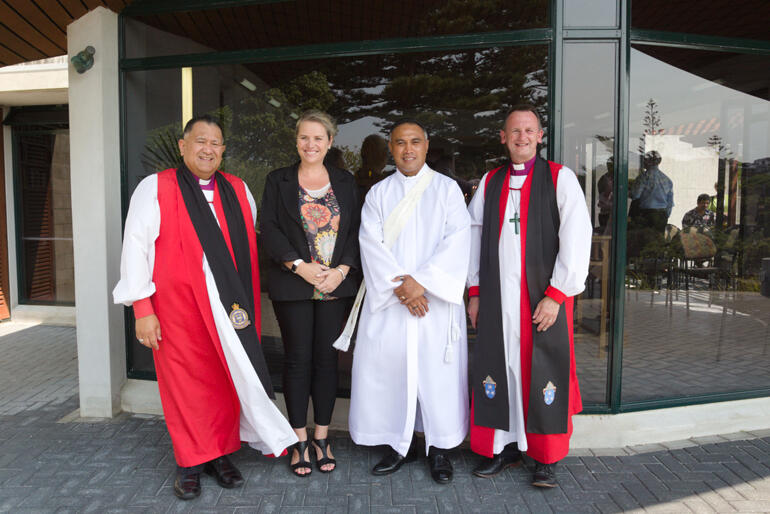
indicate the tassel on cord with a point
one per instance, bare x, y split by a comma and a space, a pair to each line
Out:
343, 341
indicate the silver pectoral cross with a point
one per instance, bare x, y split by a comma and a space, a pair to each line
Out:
515, 220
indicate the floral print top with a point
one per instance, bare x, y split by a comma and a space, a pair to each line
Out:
700, 221
321, 221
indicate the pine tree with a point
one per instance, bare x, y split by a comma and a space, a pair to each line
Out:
651, 122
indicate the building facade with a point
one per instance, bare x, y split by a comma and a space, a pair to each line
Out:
652, 104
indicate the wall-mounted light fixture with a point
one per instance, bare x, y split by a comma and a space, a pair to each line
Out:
84, 60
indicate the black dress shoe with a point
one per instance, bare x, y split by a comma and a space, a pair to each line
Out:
393, 461
226, 474
187, 486
494, 466
544, 475
440, 467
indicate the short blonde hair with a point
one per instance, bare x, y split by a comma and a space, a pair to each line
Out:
319, 117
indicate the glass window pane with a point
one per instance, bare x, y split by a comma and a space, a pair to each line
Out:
305, 22
591, 13
460, 96
45, 210
728, 18
588, 135
696, 310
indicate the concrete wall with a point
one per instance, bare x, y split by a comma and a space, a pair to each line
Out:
10, 214
590, 430
37, 83
671, 424
96, 215
62, 218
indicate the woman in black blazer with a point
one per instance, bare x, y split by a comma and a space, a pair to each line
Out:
309, 228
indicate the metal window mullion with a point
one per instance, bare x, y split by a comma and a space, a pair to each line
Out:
701, 399
348, 49
145, 8
599, 34
556, 82
618, 250
698, 41
124, 197
17, 194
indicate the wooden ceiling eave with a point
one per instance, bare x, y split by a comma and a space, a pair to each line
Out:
37, 29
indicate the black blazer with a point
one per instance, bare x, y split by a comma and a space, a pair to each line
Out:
283, 237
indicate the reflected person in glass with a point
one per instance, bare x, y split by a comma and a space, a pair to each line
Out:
605, 187
655, 193
652, 198
374, 158
700, 217
309, 229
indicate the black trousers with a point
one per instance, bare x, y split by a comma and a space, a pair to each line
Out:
308, 329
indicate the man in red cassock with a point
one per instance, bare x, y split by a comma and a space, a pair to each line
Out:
189, 269
530, 249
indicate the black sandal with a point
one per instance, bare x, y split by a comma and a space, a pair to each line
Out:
323, 445
300, 447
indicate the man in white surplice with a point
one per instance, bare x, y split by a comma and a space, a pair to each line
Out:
212, 396
410, 362
520, 317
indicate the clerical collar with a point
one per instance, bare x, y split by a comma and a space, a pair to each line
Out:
523, 169
206, 185
411, 177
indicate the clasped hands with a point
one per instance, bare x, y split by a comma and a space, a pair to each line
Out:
323, 278
411, 295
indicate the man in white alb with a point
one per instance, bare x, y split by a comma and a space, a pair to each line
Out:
410, 362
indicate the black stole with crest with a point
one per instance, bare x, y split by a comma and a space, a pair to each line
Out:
233, 279
550, 349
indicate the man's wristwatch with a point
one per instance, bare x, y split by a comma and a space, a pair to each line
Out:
295, 264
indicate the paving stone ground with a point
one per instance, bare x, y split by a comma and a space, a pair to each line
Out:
51, 461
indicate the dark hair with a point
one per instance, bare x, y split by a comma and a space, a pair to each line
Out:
524, 108
335, 157
409, 121
702, 197
653, 158
205, 118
